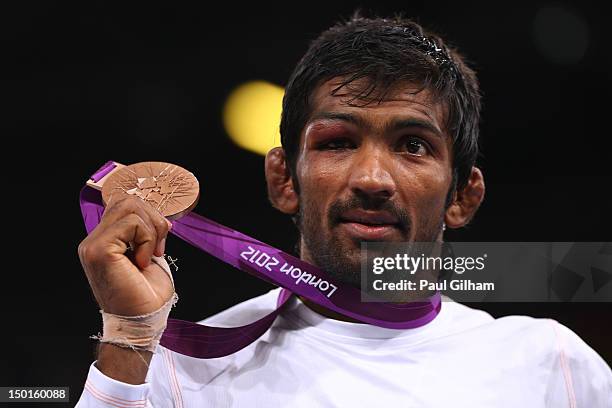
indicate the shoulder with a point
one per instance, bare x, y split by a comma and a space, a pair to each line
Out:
539, 336
575, 370
512, 330
588, 378
245, 312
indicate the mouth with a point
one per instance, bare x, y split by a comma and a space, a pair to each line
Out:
370, 225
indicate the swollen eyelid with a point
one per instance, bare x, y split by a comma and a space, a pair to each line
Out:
336, 143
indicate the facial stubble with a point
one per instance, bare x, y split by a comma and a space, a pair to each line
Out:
325, 248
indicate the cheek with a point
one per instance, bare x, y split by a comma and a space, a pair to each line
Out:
425, 190
319, 183
320, 166
321, 177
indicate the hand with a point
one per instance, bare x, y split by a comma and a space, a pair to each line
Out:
116, 257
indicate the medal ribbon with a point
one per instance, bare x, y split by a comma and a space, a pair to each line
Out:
263, 261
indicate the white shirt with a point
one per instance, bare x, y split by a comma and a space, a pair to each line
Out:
463, 358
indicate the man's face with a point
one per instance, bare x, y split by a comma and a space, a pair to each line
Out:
380, 172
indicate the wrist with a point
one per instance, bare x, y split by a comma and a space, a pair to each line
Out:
123, 364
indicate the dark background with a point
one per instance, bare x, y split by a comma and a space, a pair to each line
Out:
87, 82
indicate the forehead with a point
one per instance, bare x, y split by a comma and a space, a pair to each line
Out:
403, 99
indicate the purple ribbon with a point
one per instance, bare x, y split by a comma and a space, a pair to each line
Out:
272, 265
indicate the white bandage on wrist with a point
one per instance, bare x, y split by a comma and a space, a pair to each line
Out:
138, 332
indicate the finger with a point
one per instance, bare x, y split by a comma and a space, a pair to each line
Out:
135, 230
121, 205
161, 225
128, 204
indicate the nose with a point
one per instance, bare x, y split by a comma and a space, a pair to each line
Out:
370, 176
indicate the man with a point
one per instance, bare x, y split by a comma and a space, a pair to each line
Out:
379, 143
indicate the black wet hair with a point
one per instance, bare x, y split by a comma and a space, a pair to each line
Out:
386, 52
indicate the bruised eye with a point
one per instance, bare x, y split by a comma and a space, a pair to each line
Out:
336, 144
414, 146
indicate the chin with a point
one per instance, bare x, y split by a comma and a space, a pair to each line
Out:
346, 268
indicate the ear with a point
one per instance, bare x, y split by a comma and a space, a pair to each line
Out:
466, 201
281, 193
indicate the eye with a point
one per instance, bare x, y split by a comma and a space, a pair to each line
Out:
414, 146
336, 144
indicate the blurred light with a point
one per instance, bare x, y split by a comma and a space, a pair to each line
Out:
561, 35
251, 116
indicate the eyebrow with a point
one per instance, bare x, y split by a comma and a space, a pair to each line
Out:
394, 125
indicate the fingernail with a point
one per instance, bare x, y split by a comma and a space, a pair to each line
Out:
162, 245
169, 224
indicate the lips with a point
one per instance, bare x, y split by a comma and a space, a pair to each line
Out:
369, 225
369, 217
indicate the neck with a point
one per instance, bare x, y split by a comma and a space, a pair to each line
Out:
305, 256
326, 312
